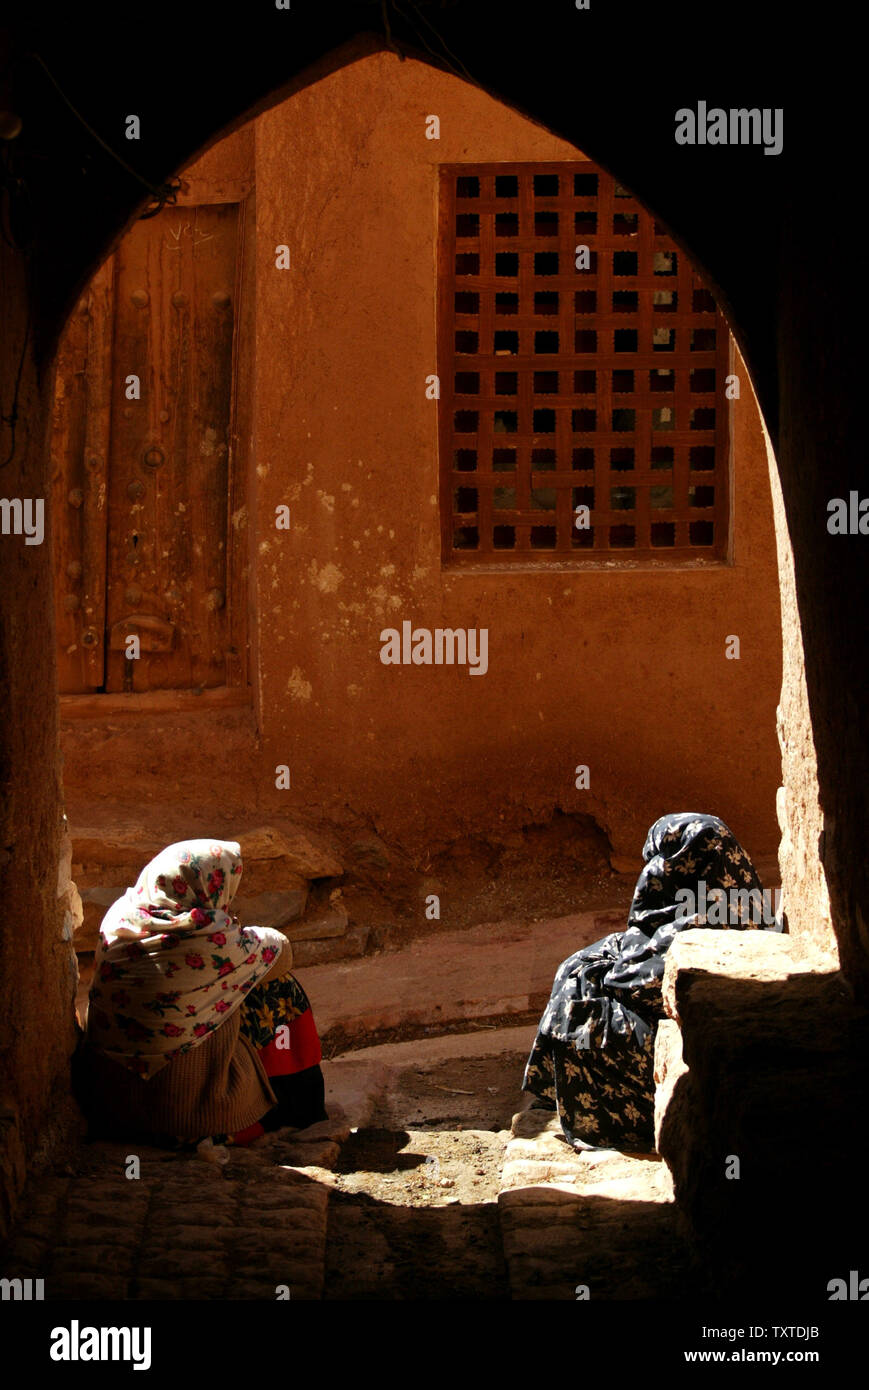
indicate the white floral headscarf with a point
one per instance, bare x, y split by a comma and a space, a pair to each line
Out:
173, 963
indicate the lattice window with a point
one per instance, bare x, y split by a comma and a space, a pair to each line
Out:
564, 388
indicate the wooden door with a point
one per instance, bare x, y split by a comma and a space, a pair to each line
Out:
79, 450
144, 529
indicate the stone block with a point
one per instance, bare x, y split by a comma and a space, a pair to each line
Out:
294, 1219
24, 1253
170, 1288
201, 1236
532, 1240
670, 1068
548, 1293
305, 1281
351, 944
261, 1290
300, 1192
336, 1129
125, 1235
528, 1124
83, 1286
319, 1153
171, 1264
95, 904
274, 909
546, 1146
772, 1058
522, 1172
171, 1215
288, 1245
40, 1228
91, 1259
305, 853
319, 925
741, 955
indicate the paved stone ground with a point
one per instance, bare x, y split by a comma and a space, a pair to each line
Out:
354, 1208
188, 1228
598, 1219
185, 1229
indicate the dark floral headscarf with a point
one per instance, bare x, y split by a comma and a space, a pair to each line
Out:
681, 852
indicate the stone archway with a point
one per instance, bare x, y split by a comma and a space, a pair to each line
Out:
745, 231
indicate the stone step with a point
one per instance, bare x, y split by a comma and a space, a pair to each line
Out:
125, 843
464, 1080
495, 968
595, 1224
352, 942
279, 862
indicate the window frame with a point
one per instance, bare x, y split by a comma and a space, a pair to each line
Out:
565, 478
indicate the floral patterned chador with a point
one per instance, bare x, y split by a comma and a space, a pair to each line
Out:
181, 1005
592, 1059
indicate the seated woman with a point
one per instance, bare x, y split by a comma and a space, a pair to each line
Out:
193, 1029
593, 1056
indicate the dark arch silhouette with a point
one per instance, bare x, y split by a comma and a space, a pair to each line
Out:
776, 237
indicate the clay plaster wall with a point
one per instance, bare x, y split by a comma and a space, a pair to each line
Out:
614, 668
38, 972
806, 900
619, 670
821, 449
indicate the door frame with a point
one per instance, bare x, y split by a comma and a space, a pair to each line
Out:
237, 689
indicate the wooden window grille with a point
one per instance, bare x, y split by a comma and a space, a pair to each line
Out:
563, 387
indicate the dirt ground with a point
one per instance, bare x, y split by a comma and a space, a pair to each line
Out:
413, 1211
438, 1139
540, 871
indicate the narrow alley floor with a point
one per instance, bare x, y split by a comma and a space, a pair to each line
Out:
427, 1182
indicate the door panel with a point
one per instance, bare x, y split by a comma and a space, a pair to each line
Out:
175, 289
141, 488
81, 424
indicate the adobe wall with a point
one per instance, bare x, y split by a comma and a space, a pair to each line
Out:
37, 965
614, 669
786, 302
806, 900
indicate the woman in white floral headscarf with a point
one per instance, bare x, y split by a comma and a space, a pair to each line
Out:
175, 1037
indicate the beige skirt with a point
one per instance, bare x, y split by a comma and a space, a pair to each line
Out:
217, 1088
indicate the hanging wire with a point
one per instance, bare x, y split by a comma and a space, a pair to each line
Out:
12, 418
11, 186
160, 194
387, 29
451, 61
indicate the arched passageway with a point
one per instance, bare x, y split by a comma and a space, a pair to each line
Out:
744, 220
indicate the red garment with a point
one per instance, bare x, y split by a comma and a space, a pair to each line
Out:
303, 1052
304, 1049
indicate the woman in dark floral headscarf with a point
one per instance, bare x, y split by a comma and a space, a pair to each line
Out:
593, 1056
